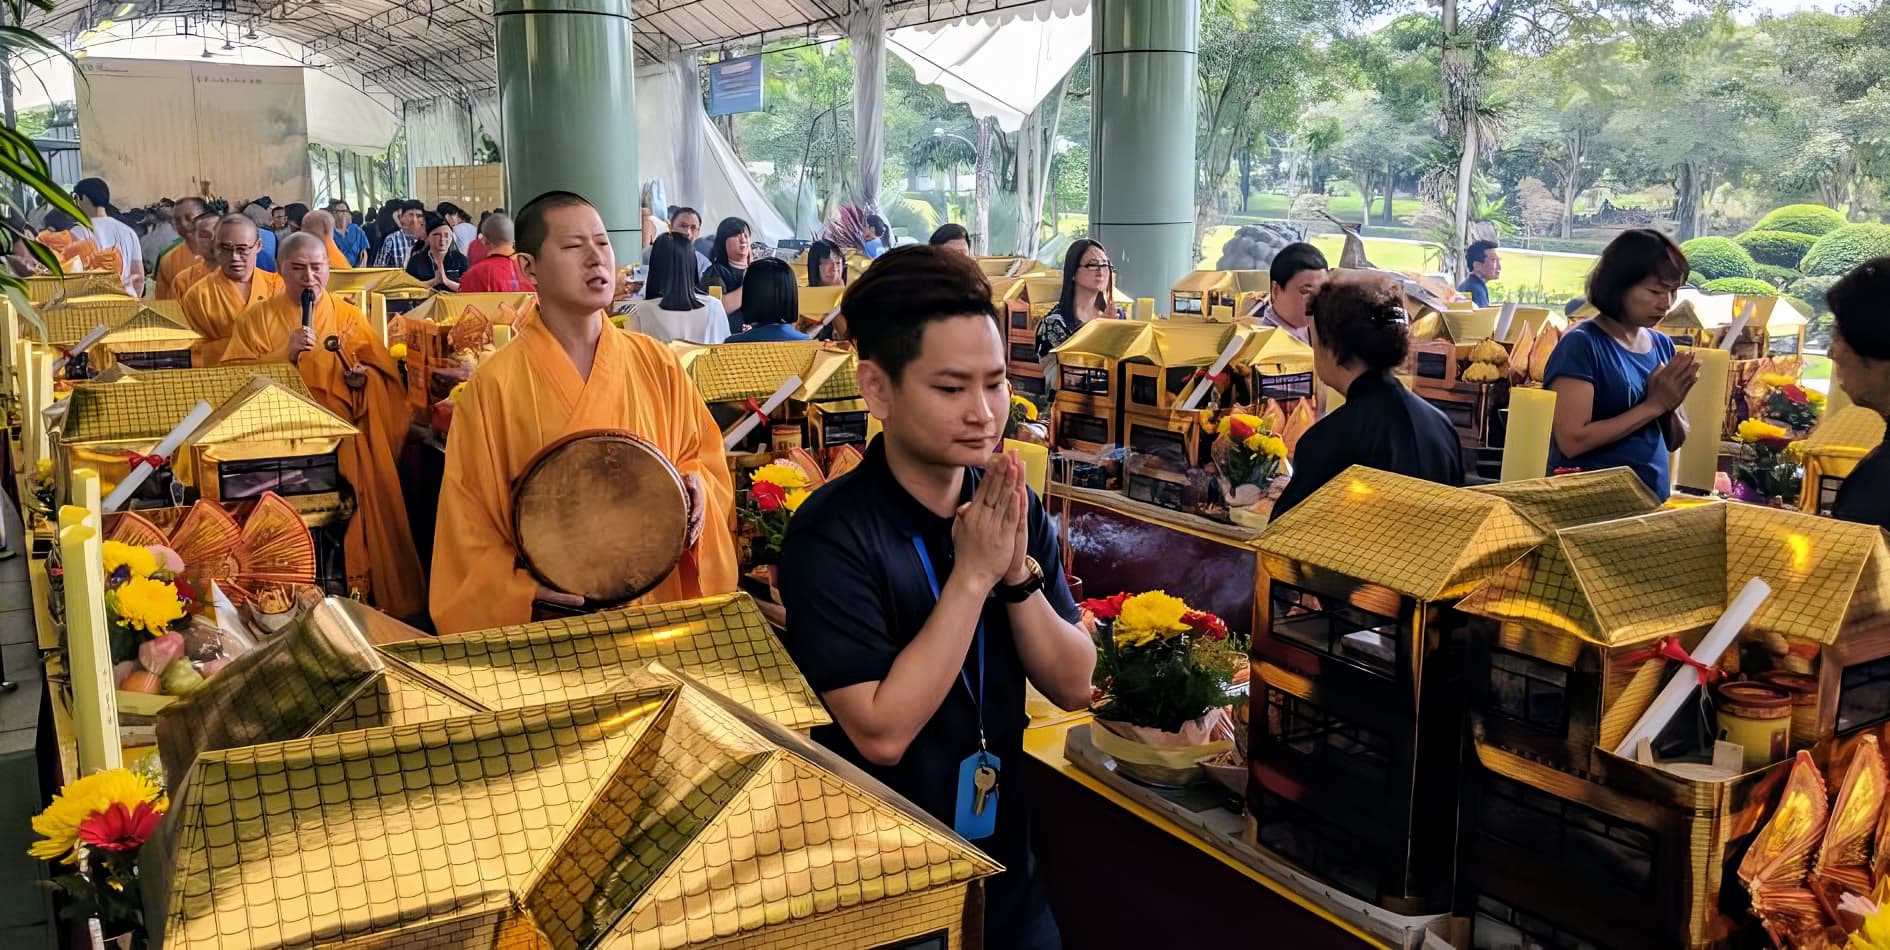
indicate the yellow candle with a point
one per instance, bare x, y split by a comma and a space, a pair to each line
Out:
501, 334
1526, 441
88, 648
1036, 459
9, 333
1698, 460
42, 397
1145, 308
1222, 314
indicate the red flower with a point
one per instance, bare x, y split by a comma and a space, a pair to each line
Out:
1239, 430
1108, 608
118, 828
767, 496
1794, 394
1207, 623
185, 591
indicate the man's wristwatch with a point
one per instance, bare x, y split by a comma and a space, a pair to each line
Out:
1018, 593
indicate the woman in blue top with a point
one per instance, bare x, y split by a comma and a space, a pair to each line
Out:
1618, 384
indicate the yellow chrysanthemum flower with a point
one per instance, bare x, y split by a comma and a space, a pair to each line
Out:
783, 473
398, 351
794, 498
118, 554
148, 605
1029, 408
1756, 430
1874, 934
1271, 446
58, 825
1776, 380
1254, 442
1147, 617
1816, 398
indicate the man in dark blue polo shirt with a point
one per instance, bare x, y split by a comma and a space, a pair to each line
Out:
1485, 265
924, 587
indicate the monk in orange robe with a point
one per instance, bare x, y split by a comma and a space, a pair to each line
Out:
568, 370
322, 225
206, 263
360, 384
217, 301
181, 255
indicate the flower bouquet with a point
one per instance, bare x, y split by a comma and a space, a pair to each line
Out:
775, 491
1771, 470
1022, 423
96, 825
159, 645
1251, 461
1790, 405
1163, 671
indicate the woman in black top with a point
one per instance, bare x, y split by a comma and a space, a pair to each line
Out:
1860, 359
1361, 334
826, 264
437, 261
728, 265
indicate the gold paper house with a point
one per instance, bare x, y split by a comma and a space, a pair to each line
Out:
1198, 292
1167, 446
1023, 303
265, 433
1833, 451
816, 303
440, 326
1442, 347
1358, 691
1086, 414
1271, 365
41, 291
824, 413
1567, 671
661, 816
140, 334
395, 284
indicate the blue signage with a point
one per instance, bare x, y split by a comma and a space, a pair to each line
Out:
735, 85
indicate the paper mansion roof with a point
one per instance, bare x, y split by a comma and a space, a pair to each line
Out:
127, 320
1581, 498
730, 372
326, 675
267, 409
1417, 538
1670, 572
392, 281
149, 404
656, 816
447, 309
42, 290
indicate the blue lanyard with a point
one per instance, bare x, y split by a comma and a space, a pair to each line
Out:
977, 695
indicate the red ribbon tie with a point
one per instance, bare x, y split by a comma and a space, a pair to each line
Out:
1669, 648
155, 461
1219, 377
755, 407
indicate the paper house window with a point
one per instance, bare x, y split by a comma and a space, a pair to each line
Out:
1078, 427
1331, 627
1577, 839
1828, 487
1864, 697
1499, 926
298, 475
1090, 380
1529, 691
1327, 848
1160, 463
1321, 738
1434, 365
157, 359
939, 940
1148, 386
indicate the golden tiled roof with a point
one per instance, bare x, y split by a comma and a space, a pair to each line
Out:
267, 410
1272, 348
69, 321
1186, 341
1694, 310
390, 281
653, 817
723, 641
41, 290
1202, 281
1635, 579
1100, 341
1470, 326
1850, 432
1420, 539
147, 405
732, 372
161, 321
1042, 289
816, 302
447, 309
1581, 498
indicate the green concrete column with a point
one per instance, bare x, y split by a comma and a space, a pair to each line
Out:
1141, 178
568, 103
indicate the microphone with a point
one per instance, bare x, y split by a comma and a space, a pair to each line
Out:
308, 309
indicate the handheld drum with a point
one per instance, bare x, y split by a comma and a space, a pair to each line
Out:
601, 514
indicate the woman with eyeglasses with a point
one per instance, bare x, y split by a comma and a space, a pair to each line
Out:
1089, 284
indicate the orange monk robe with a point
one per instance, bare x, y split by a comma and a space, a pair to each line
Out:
336, 259
522, 398
381, 559
215, 303
170, 265
191, 276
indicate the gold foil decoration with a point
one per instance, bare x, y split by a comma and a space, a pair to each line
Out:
1774, 869
1844, 858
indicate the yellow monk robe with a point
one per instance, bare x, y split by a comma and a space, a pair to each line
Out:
214, 304
336, 259
191, 275
528, 395
170, 265
381, 559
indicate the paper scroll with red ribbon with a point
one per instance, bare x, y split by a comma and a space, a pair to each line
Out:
1202, 387
756, 415
143, 465
96, 334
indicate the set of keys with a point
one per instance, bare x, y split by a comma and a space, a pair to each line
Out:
984, 781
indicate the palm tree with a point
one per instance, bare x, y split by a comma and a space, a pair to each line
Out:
21, 164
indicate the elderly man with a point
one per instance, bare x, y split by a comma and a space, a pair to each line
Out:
358, 382
215, 303
322, 225
348, 235
181, 255
498, 271
412, 218
200, 237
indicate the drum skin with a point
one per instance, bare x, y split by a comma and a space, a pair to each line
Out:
601, 514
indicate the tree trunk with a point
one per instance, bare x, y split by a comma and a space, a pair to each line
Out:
1688, 186
1466, 172
982, 187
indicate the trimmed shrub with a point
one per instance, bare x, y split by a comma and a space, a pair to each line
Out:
1815, 220
1716, 257
1812, 290
1777, 248
1780, 277
1696, 278
1836, 253
1740, 285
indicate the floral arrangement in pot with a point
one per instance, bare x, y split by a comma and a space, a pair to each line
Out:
95, 826
158, 643
1251, 460
775, 491
1771, 471
1163, 672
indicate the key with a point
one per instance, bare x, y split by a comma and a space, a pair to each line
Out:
983, 782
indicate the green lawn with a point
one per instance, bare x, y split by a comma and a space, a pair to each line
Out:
1343, 207
1558, 276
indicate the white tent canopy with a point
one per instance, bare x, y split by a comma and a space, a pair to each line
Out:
999, 66
726, 188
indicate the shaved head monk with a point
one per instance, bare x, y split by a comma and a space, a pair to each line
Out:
215, 303
322, 225
568, 370
179, 256
200, 238
356, 380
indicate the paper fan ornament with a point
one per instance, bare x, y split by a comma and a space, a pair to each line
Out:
277, 547
1520, 352
129, 527
1776, 868
206, 538
472, 331
1843, 864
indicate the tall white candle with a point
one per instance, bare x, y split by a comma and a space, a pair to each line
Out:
168, 445
1711, 648
88, 645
